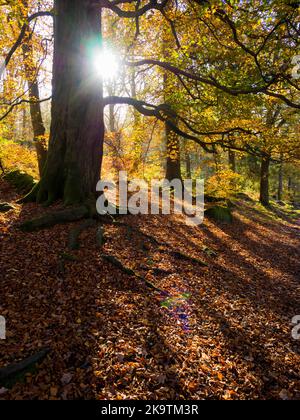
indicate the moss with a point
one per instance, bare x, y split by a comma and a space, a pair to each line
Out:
219, 213
20, 180
73, 188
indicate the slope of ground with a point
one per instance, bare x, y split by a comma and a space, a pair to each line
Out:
221, 331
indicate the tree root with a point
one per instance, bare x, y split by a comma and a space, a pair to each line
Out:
5, 207
210, 252
12, 373
73, 242
181, 256
175, 253
31, 196
100, 236
71, 214
140, 232
157, 270
117, 263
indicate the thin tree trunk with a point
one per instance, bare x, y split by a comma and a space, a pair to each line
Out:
232, 160
173, 167
172, 141
24, 124
137, 143
77, 126
35, 110
188, 165
280, 181
290, 184
264, 181
34, 96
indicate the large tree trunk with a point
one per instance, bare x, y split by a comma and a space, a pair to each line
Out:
77, 127
264, 181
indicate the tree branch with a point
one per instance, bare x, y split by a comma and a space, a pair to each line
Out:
23, 33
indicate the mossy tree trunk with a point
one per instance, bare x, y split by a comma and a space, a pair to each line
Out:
77, 127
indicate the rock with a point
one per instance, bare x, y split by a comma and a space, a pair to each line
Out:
20, 180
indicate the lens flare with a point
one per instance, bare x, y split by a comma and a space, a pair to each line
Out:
106, 64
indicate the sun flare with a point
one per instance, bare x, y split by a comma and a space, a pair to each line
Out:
106, 64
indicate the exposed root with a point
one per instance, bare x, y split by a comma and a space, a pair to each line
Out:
63, 216
181, 256
100, 237
73, 242
31, 196
174, 253
5, 207
113, 260
12, 373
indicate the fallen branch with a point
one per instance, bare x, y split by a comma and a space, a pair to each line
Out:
12, 372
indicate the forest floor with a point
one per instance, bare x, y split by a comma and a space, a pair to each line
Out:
221, 331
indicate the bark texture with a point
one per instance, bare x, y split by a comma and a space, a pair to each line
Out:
77, 128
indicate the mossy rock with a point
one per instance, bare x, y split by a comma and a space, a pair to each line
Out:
219, 213
5, 207
20, 180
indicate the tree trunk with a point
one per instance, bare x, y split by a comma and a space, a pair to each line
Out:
31, 75
77, 126
188, 165
137, 140
172, 140
231, 160
290, 184
24, 124
173, 169
280, 181
35, 107
264, 181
